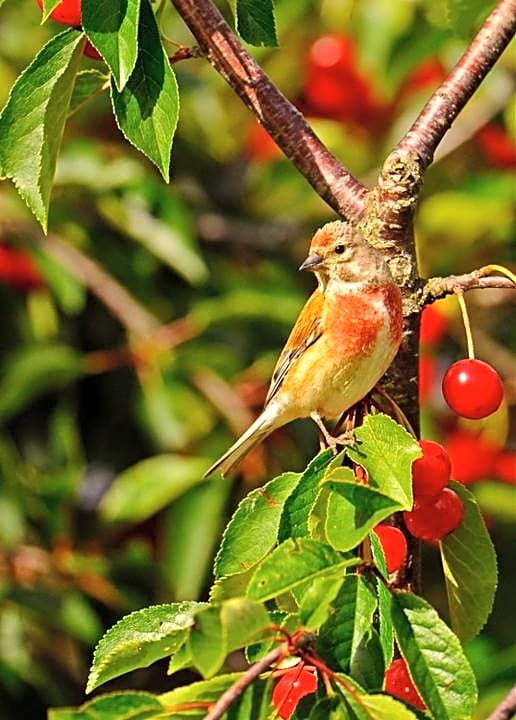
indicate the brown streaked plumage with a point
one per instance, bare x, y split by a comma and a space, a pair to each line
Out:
343, 341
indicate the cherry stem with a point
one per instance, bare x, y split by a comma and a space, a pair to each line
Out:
467, 326
487, 269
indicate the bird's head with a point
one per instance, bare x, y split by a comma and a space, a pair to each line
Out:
339, 252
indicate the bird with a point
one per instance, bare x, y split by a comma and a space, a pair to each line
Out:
344, 339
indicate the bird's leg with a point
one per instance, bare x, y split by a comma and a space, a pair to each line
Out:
346, 438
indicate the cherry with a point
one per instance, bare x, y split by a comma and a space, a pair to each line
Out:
427, 376
394, 546
472, 388
432, 518
68, 12
505, 467
430, 473
433, 325
91, 51
498, 146
472, 456
18, 270
291, 687
398, 683
259, 145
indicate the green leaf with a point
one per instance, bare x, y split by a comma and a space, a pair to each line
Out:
387, 452
470, 571
115, 706
255, 22
141, 638
146, 109
433, 653
221, 629
367, 665
297, 507
204, 691
87, 84
346, 627
48, 7
33, 119
34, 371
329, 709
353, 509
150, 485
316, 601
375, 707
384, 601
112, 27
253, 530
295, 561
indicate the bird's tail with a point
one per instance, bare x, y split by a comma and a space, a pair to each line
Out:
258, 431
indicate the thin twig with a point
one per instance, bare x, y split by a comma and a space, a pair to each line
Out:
438, 287
250, 675
284, 123
506, 709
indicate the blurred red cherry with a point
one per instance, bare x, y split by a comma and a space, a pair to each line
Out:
19, 270
433, 325
505, 467
472, 456
497, 146
427, 376
259, 146
428, 74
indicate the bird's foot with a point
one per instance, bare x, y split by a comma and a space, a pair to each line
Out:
346, 438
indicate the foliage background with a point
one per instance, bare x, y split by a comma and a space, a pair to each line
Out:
88, 533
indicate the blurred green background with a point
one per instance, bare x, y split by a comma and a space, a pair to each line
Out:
138, 339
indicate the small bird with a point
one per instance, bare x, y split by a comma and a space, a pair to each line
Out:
344, 339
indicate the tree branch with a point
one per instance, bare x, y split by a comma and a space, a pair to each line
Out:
285, 124
439, 287
506, 709
448, 100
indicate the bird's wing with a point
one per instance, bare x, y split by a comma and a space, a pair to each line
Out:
307, 330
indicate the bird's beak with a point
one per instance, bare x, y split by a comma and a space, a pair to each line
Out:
312, 262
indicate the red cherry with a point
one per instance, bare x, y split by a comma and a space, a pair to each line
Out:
18, 269
505, 467
91, 51
430, 72
398, 683
497, 146
68, 12
432, 518
259, 145
430, 473
291, 687
472, 389
472, 456
394, 546
433, 325
427, 376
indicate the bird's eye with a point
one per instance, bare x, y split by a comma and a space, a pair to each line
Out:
339, 249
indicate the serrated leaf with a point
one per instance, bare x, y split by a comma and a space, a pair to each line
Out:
375, 707
87, 84
255, 22
33, 119
253, 530
351, 619
295, 561
353, 509
140, 639
115, 706
329, 709
112, 28
470, 570
221, 629
150, 485
386, 631
315, 603
34, 371
147, 108
204, 692
298, 505
435, 658
386, 451
48, 7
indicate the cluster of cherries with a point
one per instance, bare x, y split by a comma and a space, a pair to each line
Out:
68, 12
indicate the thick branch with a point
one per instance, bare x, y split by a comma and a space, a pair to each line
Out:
439, 287
329, 178
507, 708
445, 104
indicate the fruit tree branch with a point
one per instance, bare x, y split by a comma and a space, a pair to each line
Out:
439, 287
284, 123
506, 709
